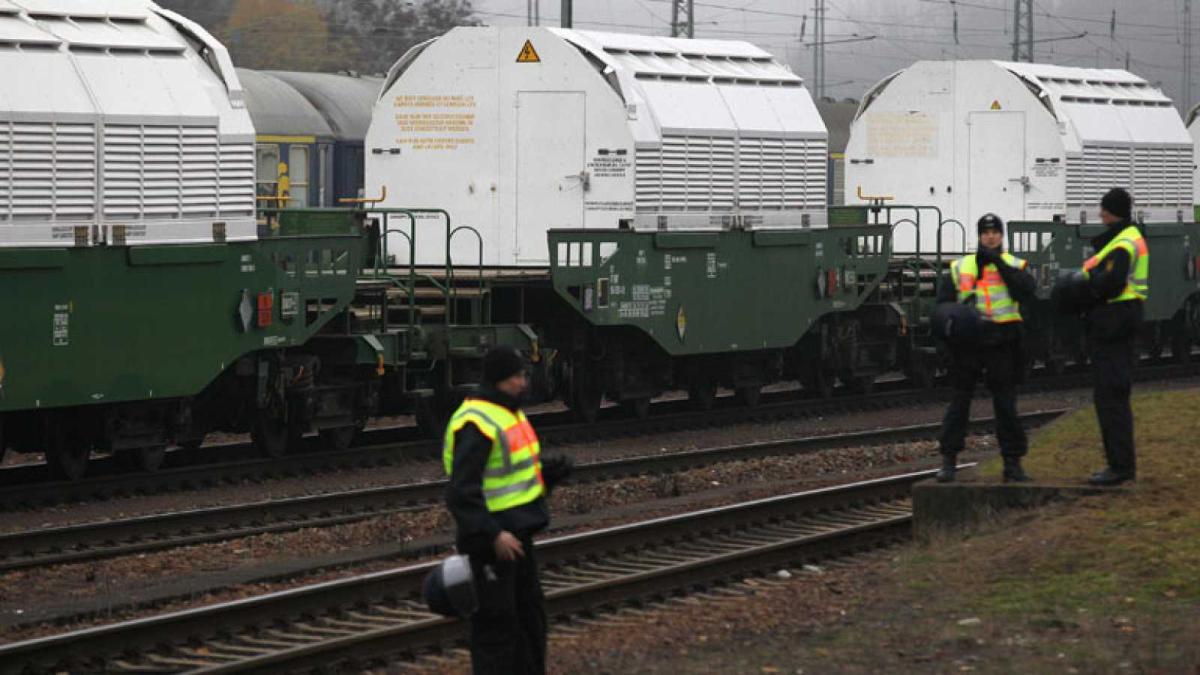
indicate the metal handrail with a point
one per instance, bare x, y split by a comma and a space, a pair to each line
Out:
961, 228
411, 238
412, 292
450, 268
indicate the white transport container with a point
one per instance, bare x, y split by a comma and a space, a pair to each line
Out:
1026, 141
1193, 128
120, 123
519, 130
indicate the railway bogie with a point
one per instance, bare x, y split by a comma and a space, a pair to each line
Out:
128, 349
738, 309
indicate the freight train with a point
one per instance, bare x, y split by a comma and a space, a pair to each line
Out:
635, 214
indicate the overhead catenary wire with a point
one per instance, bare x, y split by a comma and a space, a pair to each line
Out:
910, 30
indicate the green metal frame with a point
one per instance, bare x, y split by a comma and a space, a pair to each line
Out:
724, 291
1054, 248
129, 323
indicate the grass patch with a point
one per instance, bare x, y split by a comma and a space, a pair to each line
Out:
1105, 584
1166, 431
1110, 583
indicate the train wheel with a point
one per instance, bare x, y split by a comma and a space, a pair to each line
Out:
431, 417
922, 376
638, 407
192, 444
144, 459
586, 399
859, 384
818, 382
67, 452
338, 439
272, 436
702, 396
749, 395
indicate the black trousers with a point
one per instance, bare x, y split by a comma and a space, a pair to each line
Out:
999, 365
1112, 334
508, 633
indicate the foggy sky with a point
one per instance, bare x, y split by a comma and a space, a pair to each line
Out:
1150, 31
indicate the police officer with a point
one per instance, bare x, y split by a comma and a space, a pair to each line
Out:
996, 283
497, 495
1118, 277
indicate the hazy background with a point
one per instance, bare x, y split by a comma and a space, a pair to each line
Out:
1151, 31
368, 35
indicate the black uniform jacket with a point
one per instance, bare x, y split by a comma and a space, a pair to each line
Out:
1021, 286
478, 527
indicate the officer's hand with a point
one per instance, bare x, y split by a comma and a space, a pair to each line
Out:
985, 256
508, 547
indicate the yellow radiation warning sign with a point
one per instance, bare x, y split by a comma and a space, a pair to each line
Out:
995, 104
528, 54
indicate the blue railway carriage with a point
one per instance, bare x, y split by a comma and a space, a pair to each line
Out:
310, 129
346, 101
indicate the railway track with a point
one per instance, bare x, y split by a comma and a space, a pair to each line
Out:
366, 620
92, 541
25, 486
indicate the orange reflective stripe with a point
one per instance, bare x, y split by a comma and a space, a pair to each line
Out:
520, 436
1142, 249
965, 281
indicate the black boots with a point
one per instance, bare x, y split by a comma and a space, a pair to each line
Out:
1108, 477
949, 469
1013, 473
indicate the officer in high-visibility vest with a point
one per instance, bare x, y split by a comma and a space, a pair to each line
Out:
1118, 276
497, 492
995, 283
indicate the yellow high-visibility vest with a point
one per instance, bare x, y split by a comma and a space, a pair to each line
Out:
991, 294
1137, 285
513, 475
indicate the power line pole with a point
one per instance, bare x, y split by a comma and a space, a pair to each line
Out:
1022, 49
683, 18
819, 48
565, 14
1187, 55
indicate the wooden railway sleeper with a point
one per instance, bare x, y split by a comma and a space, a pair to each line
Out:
269, 645
239, 649
407, 616
373, 619
324, 631
299, 638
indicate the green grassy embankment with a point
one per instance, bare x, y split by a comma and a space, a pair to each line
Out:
1106, 584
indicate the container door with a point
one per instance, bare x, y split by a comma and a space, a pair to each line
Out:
550, 168
997, 167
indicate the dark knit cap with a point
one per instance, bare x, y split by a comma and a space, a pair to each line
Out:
501, 363
1118, 202
989, 221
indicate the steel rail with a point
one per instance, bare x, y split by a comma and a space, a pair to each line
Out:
25, 486
104, 539
376, 617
